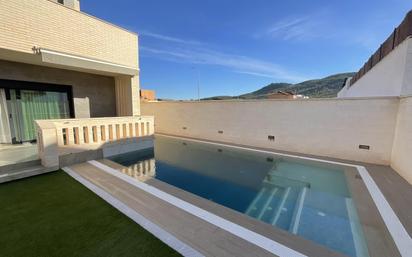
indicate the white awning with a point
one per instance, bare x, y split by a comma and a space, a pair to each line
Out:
80, 63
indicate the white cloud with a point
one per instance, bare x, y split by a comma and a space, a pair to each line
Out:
323, 25
236, 63
256, 74
195, 52
169, 38
298, 28
294, 29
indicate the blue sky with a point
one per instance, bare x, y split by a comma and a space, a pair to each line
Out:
233, 46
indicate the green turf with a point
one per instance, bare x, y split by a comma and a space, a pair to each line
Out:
54, 215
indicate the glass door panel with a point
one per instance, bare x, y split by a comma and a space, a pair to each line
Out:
29, 105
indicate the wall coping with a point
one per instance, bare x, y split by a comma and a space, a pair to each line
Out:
282, 100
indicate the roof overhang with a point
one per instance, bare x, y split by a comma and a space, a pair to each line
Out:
68, 60
55, 59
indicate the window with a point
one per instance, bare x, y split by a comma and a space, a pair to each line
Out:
60, 1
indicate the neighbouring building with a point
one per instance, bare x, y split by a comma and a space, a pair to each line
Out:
388, 72
58, 62
285, 95
147, 95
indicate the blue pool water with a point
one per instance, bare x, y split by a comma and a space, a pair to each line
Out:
306, 199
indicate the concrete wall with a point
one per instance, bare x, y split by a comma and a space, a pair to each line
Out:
392, 76
407, 75
327, 127
46, 24
94, 95
402, 146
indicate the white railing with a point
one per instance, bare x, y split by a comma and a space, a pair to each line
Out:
65, 136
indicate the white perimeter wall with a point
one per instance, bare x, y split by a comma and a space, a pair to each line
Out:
402, 146
392, 76
329, 127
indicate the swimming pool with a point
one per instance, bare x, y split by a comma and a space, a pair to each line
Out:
309, 199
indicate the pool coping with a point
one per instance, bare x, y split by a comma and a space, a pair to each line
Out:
400, 236
239, 231
154, 229
298, 243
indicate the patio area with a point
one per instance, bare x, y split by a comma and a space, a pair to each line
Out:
13, 154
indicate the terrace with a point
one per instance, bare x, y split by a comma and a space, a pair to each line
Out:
302, 177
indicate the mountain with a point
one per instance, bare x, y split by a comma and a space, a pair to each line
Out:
315, 88
271, 88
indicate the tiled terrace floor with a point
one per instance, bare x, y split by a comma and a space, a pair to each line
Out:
12, 154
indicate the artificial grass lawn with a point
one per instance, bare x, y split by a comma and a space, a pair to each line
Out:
54, 215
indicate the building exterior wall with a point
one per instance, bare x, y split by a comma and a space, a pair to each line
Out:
94, 95
392, 76
147, 95
74, 4
49, 25
327, 127
402, 146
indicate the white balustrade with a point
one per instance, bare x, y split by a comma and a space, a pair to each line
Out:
65, 136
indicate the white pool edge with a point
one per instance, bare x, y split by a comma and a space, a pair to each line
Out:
400, 236
152, 228
398, 232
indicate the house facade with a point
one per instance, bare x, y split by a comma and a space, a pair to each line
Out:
57, 62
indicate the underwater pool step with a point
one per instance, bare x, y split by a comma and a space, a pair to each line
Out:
252, 207
264, 201
267, 203
297, 213
276, 180
280, 206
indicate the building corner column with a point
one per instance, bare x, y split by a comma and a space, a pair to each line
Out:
127, 95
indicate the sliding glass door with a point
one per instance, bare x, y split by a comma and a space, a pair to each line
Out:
4, 119
26, 106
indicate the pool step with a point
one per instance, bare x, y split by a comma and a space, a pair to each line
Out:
264, 201
278, 197
253, 206
297, 213
267, 203
276, 180
280, 206
357, 234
